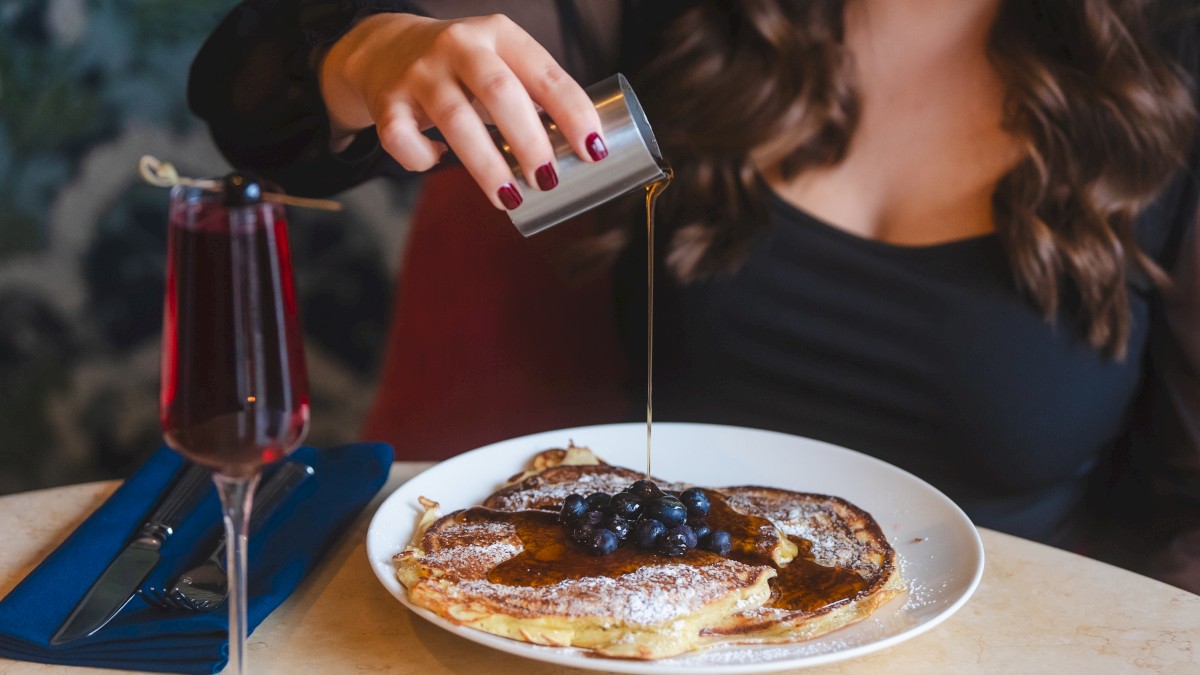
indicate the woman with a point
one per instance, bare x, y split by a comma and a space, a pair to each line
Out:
956, 235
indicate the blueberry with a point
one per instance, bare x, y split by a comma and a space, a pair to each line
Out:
719, 542
598, 500
696, 502
626, 505
647, 531
645, 490
689, 536
582, 534
602, 542
592, 518
673, 543
618, 525
667, 510
701, 529
242, 189
573, 509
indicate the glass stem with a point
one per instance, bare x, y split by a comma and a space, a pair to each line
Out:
237, 494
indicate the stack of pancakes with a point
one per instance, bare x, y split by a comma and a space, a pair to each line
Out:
803, 565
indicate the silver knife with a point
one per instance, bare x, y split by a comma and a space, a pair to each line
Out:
118, 583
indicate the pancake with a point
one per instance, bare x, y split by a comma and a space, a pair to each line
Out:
835, 539
844, 569
802, 565
630, 604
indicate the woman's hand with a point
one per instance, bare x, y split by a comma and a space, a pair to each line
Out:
404, 73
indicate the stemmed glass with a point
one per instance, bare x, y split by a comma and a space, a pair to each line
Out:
234, 394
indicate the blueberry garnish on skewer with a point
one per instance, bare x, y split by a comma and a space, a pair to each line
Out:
242, 189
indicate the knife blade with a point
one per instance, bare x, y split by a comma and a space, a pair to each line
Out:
117, 584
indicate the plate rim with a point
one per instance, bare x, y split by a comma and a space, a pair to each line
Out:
384, 570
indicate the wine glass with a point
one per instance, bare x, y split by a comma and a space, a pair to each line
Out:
234, 393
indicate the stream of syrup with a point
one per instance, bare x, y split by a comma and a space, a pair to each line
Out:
653, 191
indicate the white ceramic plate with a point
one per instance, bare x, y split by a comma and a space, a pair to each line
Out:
941, 555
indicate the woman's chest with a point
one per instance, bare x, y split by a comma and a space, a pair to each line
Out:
925, 357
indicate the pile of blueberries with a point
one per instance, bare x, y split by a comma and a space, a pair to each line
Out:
646, 516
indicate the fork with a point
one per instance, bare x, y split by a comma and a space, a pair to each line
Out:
206, 586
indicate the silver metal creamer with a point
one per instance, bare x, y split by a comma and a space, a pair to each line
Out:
633, 162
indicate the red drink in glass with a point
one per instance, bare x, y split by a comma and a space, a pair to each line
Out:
234, 392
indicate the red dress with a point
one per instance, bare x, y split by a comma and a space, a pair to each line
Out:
488, 340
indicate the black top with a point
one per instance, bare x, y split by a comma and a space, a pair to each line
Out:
926, 357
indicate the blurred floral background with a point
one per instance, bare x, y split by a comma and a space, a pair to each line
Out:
86, 88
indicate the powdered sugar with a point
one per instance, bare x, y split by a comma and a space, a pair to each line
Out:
743, 655
547, 495
486, 556
547, 490
650, 596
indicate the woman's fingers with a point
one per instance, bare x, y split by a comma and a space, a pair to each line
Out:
448, 108
556, 91
401, 137
411, 73
514, 113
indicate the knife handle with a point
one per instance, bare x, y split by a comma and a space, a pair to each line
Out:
183, 497
274, 490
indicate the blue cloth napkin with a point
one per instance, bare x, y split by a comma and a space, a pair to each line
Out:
145, 637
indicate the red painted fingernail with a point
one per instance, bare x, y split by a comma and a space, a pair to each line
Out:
595, 147
509, 196
546, 176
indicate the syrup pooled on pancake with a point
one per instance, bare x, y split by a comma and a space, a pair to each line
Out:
801, 565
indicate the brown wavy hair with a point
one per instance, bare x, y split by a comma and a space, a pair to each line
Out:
1105, 120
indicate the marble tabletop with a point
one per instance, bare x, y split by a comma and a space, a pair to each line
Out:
1038, 609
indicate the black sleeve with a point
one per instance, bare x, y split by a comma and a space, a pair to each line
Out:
1174, 363
254, 82
1166, 428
